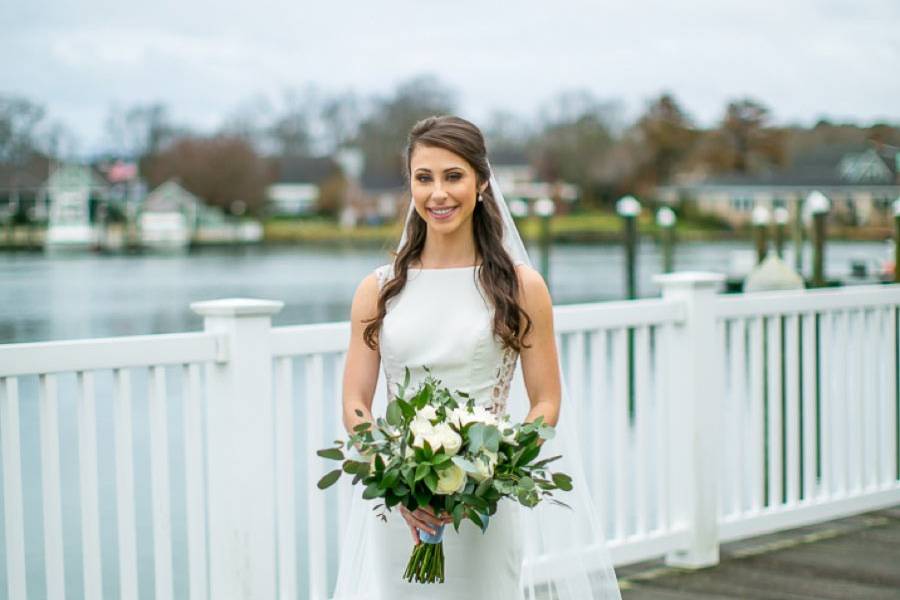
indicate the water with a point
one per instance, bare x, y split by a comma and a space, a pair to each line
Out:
49, 298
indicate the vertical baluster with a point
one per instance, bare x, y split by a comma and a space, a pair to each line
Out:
737, 401
125, 512
892, 359
621, 432
723, 464
575, 370
871, 400
194, 481
90, 512
642, 422
755, 446
599, 460
830, 340
792, 410
810, 383
284, 481
853, 401
660, 396
159, 475
773, 379
344, 493
841, 381
54, 561
12, 487
314, 471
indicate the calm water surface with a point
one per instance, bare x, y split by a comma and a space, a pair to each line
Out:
46, 298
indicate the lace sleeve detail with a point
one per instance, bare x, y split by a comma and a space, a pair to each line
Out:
500, 392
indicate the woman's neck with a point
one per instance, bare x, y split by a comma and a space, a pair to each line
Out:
456, 249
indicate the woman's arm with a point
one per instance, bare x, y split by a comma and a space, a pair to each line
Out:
361, 367
540, 362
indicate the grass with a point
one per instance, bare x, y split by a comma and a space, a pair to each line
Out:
594, 226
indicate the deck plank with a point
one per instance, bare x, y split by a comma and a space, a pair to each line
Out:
855, 557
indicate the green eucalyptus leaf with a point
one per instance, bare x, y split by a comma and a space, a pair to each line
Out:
371, 491
562, 481
394, 413
329, 479
464, 464
331, 453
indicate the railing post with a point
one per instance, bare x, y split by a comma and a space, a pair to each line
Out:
240, 452
693, 423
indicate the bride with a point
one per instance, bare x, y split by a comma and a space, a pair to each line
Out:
462, 300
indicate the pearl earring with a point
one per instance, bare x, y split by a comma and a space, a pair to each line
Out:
480, 199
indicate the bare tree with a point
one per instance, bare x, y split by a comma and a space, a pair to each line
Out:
19, 133
223, 171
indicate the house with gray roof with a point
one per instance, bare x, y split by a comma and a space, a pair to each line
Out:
861, 181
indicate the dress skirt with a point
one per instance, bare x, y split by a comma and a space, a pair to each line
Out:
478, 566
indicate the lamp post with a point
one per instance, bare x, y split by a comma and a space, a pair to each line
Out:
760, 218
629, 208
782, 216
544, 208
665, 218
818, 206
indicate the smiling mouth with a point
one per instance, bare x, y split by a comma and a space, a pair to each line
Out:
442, 213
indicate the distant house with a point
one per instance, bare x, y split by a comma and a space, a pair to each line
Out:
169, 217
518, 180
298, 180
860, 180
73, 193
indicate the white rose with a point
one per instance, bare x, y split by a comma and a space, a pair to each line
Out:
484, 468
451, 480
433, 439
421, 427
450, 440
427, 412
462, 417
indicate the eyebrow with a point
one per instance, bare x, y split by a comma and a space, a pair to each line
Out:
425, 170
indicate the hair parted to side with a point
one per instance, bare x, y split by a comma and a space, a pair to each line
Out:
497, 275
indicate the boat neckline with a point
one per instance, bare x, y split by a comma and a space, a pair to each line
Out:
443, 268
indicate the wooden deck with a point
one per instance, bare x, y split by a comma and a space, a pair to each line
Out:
852, 558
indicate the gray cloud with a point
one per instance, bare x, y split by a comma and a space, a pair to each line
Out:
804, 58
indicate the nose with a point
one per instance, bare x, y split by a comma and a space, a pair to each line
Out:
438, 192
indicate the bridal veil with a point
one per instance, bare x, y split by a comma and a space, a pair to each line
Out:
565, 553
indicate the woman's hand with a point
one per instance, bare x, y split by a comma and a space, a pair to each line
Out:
424, 519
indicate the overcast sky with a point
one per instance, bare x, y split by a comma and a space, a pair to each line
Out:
806, 59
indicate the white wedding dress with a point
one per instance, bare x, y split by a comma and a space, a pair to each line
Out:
442, 321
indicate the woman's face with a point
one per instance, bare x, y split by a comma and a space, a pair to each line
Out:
444, 188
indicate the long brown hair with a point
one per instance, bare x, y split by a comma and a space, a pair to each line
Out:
497, 274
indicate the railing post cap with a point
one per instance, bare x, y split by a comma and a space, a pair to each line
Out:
237, 307
692, 279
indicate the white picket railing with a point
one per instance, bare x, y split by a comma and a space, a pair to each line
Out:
706, 418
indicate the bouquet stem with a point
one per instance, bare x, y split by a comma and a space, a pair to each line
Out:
426, 565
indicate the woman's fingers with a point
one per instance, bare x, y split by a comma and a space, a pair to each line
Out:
415, 534
415, 520
427, 516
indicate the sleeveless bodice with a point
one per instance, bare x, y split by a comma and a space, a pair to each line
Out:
442, 320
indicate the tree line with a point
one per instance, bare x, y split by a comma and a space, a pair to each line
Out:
575, 136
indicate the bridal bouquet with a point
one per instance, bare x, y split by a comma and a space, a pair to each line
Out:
437, 449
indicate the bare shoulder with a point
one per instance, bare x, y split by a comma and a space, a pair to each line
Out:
532, 287
365, 299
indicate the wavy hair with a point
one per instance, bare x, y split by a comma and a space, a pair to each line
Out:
497, 276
